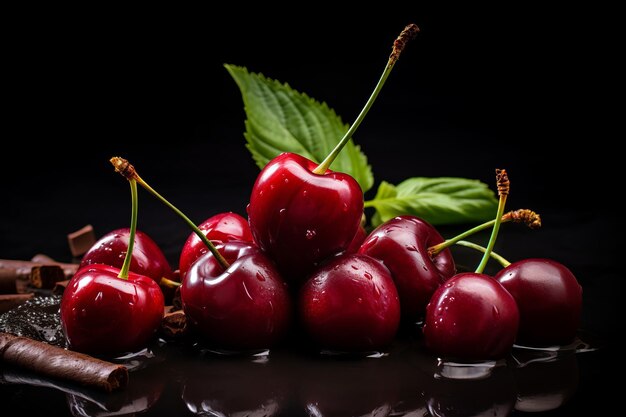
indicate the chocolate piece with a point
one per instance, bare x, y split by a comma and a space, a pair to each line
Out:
10, 301
8, 278
81, 240
63, 364
174, 325
22, 269
45, 276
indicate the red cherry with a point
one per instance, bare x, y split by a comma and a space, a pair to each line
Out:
350, 304
245, 307
148, 259
402, 245
222, 227
102, 313
300, 218
357, 240
471, 316
549, 299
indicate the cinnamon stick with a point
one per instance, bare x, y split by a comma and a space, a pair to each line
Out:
22, 268
10, 301
8, 281
63, 364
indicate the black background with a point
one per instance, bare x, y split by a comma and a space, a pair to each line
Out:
527, 89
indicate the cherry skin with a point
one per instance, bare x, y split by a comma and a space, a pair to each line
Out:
350, 304
101, 313
357, 240
245, 307
223, 227
402, 245
300, 218
549, 299
148, 259
471, 316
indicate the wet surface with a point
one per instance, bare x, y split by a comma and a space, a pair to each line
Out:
188, 379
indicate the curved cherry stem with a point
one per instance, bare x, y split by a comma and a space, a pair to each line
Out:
169, 283
503, 184
128, 171
133, 230
526, 216
501, 260
399, 44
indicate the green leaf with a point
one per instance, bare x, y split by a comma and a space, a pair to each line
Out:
443, 200
281, 119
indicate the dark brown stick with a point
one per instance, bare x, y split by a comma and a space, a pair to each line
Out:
8, 278
10, 301
45, 276
63, 364
22, 269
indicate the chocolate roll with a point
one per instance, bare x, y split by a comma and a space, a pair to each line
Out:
63, 364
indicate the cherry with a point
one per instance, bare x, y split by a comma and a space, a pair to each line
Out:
222, 227
109, 310
357, 240
472, 316
300, 218
549, 299
148, 259
300, 212
350, 304
243, 305
548, 296
402, 245
246, 306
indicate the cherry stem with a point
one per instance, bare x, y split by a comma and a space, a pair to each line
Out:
482, 249
526, 216
503, 184
399, 44
169, 283
133, 230
128, 171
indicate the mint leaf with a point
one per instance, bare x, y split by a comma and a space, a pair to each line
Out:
280, 119
443, 200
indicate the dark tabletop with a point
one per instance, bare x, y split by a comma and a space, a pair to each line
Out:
478, 89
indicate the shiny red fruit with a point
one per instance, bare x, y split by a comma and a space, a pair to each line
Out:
402, 245
471, 316
549, 299
357, 241
245, 307
102, 313
223, 227
300, 218
148, 259
350, 304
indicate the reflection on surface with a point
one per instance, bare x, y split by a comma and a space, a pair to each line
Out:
545, 380
233, 386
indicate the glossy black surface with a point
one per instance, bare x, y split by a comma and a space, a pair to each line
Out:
523, 88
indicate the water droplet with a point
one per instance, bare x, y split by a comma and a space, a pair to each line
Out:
356, 268
286, 181
496, 312
117, 236
282, 211
411, 248
367, 275
248, 207
260, 276
304, 193
310, 234
424, 267
359, 300
271, 187
345, 206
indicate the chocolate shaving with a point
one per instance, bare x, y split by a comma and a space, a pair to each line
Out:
63, 364
174, 325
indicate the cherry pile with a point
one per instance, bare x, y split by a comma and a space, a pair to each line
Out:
302, 259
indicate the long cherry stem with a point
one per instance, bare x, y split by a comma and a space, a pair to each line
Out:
128, 171
503, 184
501, 260
526, 216
133, 230
399, 44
